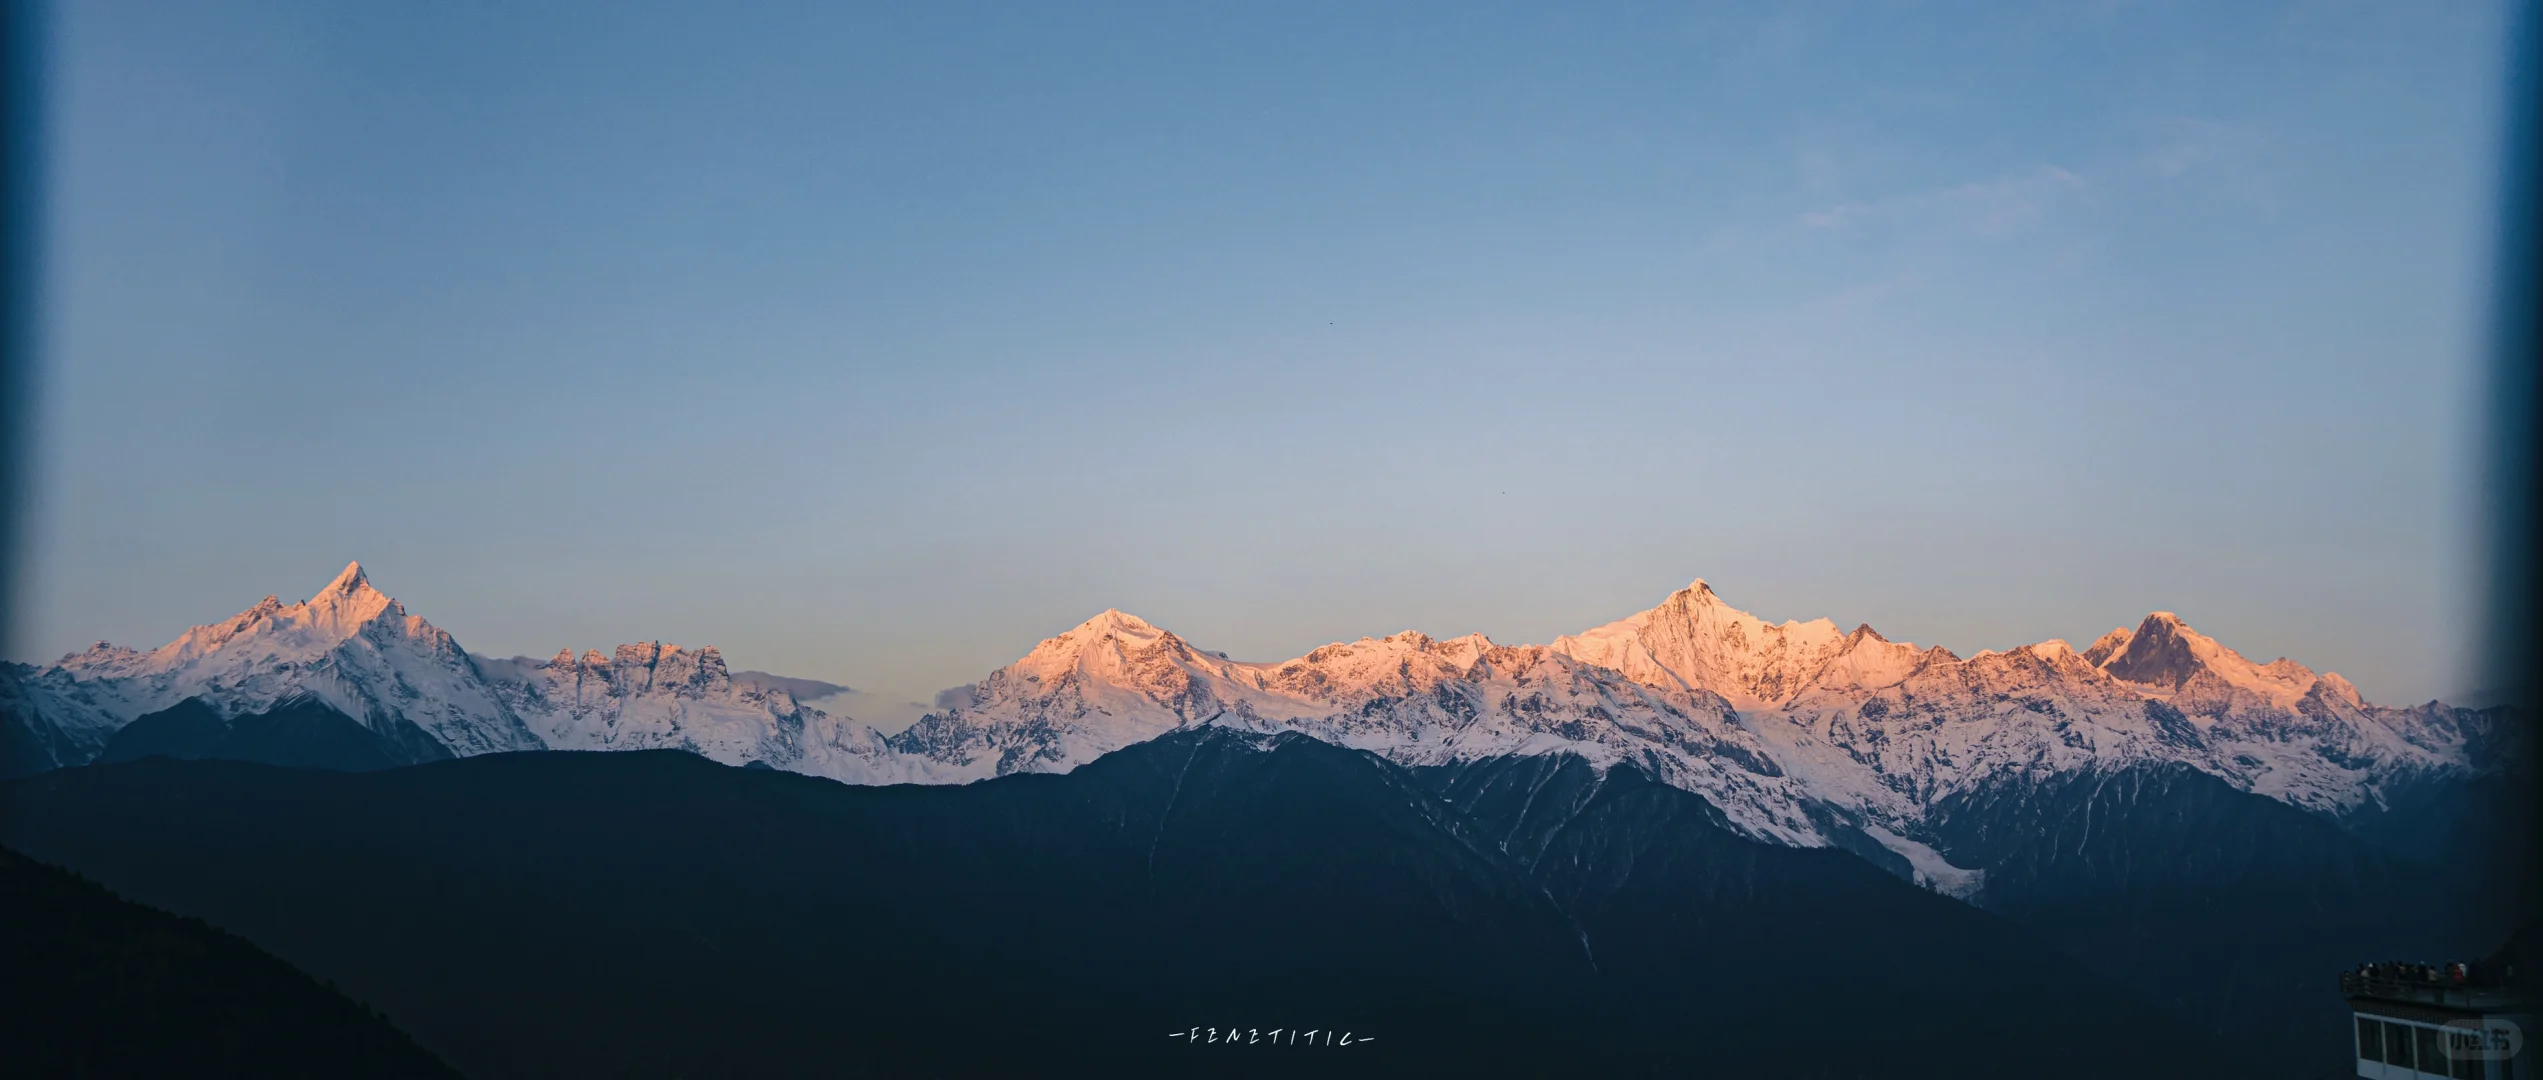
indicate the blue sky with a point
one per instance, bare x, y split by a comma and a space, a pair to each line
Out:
875, 344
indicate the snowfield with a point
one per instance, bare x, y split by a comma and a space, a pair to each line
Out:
1800, 733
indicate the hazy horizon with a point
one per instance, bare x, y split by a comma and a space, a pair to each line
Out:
875, 346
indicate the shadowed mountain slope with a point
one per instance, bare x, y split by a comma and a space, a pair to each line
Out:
655, 914
106, 987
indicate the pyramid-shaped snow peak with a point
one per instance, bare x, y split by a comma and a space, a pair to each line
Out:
1785, 726
1694, 641
2165, 656
348, 646
347, 603
2162, 651
348, 581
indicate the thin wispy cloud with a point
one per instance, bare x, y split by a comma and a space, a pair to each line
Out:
1024, 241
2231, 157
2227, 159
1993, 207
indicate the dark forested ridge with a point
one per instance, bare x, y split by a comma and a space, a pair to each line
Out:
301, 733
657, 914
2229, 909
103, 987
1690, 910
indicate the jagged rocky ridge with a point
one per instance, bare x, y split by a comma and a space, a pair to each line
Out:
350, 647
1800, 733
651, 696
421, 697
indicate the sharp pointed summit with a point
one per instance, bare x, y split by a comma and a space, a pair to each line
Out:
348, 603
349, 647
2166, 656
348, 582
1694, 641
1779, 724
2162, 652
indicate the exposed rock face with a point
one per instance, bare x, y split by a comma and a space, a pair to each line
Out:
650, 696
1115, 680
1694, 641
1798, 732
350, 647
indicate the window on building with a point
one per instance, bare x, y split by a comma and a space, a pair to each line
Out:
2432, 1051
2370, 1039
2397, 1045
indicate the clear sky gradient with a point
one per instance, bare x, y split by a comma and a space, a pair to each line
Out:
877, 343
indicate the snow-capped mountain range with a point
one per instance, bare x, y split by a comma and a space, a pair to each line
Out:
1799, 732
349, 646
